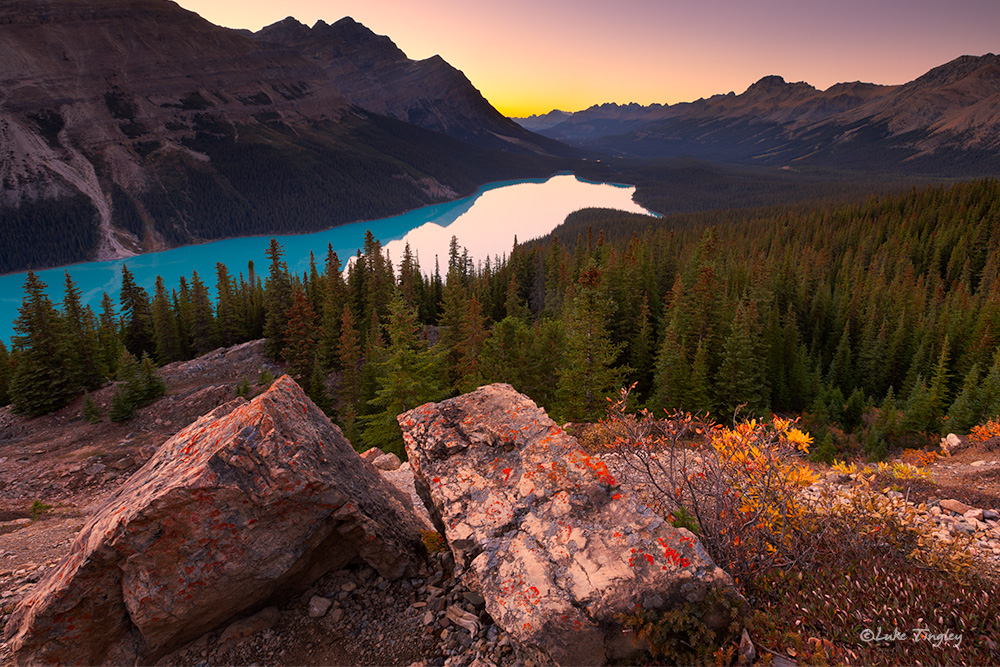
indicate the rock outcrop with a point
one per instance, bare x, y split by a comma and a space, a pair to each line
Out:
251, 503
557, 550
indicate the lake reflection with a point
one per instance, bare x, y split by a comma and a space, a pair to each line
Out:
485, 223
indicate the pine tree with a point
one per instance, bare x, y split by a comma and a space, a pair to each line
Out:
741, 377
967, 409
301, 335
588, 376
230, 318
39, 383
349, 354
408, 378
277, 301
137, 320
4, 375
168, 344
204, 331
470, 347
109, 335
85, 369
670, 381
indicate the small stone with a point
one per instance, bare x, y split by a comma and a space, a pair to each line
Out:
336, 615
387, 462
978, 464
992, 515
974, 513
955, 506
474, 598
349, 587
318, 606
428, 617
652, 602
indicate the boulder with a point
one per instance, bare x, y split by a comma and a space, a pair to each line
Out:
558, 551
251, 503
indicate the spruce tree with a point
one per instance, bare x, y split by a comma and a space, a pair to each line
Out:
39, 383
507, 353
230, 316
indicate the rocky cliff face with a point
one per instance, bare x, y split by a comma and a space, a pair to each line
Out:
135, 125
373, 73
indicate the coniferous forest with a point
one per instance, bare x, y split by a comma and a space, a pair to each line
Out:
878, 323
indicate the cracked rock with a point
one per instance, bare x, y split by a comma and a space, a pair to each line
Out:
543, 532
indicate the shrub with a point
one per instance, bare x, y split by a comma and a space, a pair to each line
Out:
821, 569
265, 378
741, 487
141, 385
433, 540
90, 410
37, 509
244, 389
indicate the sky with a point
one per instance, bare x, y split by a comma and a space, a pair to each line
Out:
532, 56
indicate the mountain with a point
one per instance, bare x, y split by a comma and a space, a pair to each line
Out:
134, 125
373, 73
946, 121
538, 122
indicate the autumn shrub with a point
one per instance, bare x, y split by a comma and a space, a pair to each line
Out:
740, 488
822, 566
987, 434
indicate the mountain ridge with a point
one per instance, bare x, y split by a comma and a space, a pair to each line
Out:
945, 119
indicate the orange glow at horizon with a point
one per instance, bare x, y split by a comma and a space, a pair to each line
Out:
530, 57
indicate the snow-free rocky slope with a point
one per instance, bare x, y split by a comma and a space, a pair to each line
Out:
135, 125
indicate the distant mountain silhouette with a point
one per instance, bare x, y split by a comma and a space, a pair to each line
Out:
946, 121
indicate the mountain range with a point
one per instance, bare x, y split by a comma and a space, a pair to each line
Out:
946, 121
135, 125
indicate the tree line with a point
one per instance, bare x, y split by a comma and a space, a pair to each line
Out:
877, 322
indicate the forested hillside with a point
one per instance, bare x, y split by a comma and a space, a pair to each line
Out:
878, 322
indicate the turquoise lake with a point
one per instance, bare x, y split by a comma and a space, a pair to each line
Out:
485, 223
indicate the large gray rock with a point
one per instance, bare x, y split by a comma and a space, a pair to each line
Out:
555, 547
251, 503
